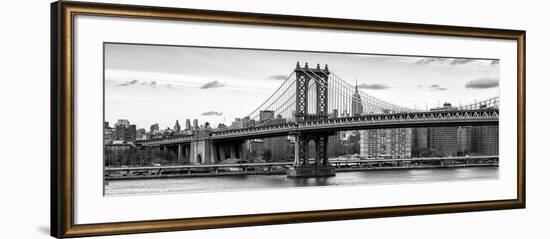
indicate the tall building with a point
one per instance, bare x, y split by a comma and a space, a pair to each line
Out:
349, 142
446, 106
141, 134
177, 127
123, 122
275, 121
443, 141
266, 115
335, 146
242, 123
154, 129
130, 134
120, 132
247, 122
108, 133
195, 124
222, 126
464, 140
386, 143
237, 123
275, 148
485, 140
356, 105
419, 142
187, 125
125, 132
255, 149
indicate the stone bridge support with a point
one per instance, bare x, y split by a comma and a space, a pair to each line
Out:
206, 151
201, 152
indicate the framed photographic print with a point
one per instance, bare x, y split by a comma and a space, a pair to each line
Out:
173, 119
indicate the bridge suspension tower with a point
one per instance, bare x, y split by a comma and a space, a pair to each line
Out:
311, 81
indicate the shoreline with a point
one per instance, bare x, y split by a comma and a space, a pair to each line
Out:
284, 172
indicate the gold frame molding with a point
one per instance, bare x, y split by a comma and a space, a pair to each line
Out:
62, 117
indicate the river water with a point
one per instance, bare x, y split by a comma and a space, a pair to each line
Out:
250, 182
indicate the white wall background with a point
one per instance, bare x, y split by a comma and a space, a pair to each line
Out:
24, 92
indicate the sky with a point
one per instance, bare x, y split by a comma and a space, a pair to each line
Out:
149, 84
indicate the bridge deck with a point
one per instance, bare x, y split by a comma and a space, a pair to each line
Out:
375, 121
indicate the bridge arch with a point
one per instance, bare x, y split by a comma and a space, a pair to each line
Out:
312, 97
312, 150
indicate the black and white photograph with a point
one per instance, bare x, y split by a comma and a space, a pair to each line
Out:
274, 119
189, 119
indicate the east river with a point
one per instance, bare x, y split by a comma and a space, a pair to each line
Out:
255, 182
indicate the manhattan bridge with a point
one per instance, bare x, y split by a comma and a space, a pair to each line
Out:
315, 103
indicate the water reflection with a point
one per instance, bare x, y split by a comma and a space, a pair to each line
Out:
301, 182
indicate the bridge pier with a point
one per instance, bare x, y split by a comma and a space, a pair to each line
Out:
207, 151
302, 167
200, 152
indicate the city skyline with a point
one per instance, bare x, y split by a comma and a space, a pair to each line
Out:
177, 127
185, 82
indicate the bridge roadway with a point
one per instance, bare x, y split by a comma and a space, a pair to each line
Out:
373, 121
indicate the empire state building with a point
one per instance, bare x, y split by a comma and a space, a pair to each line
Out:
356, 105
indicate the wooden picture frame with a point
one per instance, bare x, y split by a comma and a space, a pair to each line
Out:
62, 118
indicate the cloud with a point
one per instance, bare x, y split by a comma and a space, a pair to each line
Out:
212, 84
128, 83
438, 89
441, 60
278, 77
144, 83
433, 87
212, 113
482, 83
373, 86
